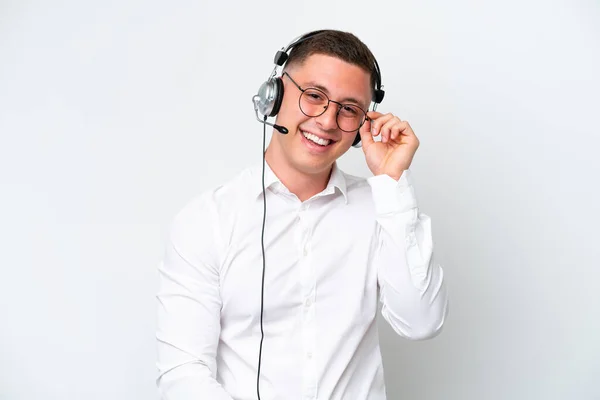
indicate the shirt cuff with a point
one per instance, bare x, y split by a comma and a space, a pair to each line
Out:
393, 196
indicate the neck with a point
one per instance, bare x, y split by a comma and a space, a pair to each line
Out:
303, 184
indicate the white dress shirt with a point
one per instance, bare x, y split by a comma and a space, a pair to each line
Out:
328, 261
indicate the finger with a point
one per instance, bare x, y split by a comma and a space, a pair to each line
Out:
399, 129
386, 129
371, 117
373, 114
395, 134
408, 135
408, 132
378, 123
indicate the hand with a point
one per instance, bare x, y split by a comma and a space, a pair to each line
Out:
394, 153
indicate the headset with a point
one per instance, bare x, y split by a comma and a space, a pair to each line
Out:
268, 102
270, 94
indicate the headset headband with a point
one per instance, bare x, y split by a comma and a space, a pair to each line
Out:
282, 55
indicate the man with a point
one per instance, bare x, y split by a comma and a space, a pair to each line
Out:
333, 244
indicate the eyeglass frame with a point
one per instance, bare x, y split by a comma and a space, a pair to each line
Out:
366, 117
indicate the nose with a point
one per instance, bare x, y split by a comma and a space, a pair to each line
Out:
328, 120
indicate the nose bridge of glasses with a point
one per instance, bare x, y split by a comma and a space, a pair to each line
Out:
345, 122
334, 114
327, 101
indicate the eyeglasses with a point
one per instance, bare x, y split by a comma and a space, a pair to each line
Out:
314, 102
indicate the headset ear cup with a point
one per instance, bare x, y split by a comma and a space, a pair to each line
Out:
277, 96
356, 142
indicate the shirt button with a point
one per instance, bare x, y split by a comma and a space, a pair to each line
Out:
309, 355
305, 252
308, 302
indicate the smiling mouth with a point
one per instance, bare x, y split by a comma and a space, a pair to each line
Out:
317, 140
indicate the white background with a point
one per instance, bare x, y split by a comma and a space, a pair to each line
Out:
114, 114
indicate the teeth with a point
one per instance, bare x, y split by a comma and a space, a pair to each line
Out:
316, 139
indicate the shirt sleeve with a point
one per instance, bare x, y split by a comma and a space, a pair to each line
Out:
189, 304
412, 290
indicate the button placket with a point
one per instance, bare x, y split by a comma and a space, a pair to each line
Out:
308, 309
310, 367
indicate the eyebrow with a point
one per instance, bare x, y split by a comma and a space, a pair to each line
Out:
323, 88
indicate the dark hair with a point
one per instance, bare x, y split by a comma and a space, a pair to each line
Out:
342, 45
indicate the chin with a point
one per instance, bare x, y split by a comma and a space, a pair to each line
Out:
313, 166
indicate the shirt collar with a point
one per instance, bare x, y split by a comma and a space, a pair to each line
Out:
336, 180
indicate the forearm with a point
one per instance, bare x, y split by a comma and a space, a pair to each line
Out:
413, 292
188, 309
186, 353
190, 382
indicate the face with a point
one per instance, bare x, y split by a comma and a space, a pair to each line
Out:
341, 82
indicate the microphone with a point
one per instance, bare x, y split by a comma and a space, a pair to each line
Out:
281, 129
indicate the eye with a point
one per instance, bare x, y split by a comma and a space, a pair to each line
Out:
349, 111
314, 96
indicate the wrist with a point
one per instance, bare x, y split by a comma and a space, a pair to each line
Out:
395, 175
